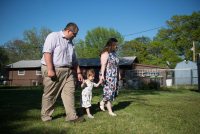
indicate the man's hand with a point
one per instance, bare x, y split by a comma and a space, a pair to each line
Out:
51, 73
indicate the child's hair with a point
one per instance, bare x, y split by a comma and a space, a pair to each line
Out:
90, 72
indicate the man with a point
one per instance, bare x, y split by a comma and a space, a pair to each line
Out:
58, 62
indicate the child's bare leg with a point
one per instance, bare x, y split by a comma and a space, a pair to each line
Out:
88, 113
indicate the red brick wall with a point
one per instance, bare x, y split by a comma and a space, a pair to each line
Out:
28, 79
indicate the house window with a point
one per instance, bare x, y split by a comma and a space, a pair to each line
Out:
21, 72
38, 72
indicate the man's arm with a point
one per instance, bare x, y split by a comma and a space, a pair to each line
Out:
49, 62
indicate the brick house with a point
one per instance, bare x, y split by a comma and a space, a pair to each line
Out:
28, 72
24, 73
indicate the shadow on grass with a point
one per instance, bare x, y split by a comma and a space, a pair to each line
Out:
195, 90
15, 103
122, 105
95, 108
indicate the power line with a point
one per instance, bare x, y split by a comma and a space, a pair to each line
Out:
142, 31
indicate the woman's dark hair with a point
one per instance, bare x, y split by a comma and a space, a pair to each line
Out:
110, 46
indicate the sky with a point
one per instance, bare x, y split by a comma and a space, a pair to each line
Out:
129, 17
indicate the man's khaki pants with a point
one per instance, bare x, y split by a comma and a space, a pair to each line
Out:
64, 84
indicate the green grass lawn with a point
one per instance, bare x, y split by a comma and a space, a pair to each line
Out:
164, 111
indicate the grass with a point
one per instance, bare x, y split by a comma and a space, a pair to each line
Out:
164, 111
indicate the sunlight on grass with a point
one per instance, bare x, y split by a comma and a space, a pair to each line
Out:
139, 111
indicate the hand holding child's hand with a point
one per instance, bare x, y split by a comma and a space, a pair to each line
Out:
102, 79
83, 83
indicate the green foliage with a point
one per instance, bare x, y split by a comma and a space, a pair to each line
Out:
182, 31
95, 41
159, 54
134, 48
28, 49
3, 60
169, 44
143, 40
153, 53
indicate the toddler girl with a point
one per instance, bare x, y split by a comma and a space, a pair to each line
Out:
88, 84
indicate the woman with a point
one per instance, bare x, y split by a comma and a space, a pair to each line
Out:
109, 74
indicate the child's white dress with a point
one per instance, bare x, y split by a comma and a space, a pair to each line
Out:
87, 94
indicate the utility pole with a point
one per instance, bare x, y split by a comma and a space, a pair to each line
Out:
193, 49
198, 69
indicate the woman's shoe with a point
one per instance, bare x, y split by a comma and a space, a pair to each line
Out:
101, 105
90, 116
112, 114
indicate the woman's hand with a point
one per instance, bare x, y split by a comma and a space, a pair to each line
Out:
80, 77
101, 78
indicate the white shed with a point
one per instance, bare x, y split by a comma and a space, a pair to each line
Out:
186, 73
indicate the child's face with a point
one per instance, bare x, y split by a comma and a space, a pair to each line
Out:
91, 77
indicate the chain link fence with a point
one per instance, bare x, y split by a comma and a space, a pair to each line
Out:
156, 78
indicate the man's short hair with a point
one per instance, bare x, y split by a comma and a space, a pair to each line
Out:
72, 27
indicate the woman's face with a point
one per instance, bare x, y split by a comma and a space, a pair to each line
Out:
114, 47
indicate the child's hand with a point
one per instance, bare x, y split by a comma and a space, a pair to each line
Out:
83, 81
83, 84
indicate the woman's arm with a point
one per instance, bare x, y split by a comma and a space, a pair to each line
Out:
104, 59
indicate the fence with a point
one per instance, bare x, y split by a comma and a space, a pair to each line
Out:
160, 77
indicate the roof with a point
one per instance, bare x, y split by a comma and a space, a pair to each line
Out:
26, 64
186, 64
83, 62
89, 62
125, 61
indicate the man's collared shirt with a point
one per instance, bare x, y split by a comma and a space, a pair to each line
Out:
61, 49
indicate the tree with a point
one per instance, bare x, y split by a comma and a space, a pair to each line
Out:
35, 40
155, 53
159, 54
181, 32
16, 50
30, 48
143, 40
95, 40
134, 48
3, 60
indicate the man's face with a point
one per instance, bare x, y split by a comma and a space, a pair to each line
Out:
70, 34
